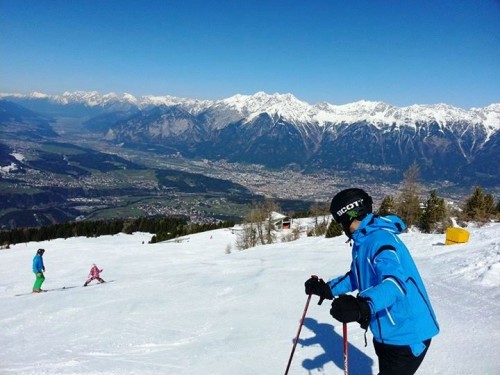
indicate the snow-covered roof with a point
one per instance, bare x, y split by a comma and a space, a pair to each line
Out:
276, 216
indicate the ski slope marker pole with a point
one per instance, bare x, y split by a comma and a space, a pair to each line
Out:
346, 356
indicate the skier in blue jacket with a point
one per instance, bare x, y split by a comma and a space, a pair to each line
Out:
392, 299
38, 270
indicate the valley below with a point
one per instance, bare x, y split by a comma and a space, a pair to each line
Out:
75, 159
162, 185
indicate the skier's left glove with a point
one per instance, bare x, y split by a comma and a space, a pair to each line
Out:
348, 308
318, 287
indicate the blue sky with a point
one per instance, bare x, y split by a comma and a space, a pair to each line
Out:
401, 52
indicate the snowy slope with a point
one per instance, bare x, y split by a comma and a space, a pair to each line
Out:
190, 308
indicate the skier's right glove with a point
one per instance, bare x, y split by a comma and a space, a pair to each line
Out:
347, 308
319, 288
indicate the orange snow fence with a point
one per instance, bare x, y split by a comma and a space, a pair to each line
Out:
456, 235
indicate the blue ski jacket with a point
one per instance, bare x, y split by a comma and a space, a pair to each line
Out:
38, 264
384, 273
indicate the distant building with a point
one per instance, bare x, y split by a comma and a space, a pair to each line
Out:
236, 229
280, 221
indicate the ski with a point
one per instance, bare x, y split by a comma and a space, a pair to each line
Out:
106, 282
62, 288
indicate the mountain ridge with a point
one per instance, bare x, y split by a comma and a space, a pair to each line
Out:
286, 106
281, 131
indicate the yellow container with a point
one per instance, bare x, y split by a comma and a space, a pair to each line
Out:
456, 235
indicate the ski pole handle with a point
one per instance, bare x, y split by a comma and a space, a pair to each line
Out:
321, 299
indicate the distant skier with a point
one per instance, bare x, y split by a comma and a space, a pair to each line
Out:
392, 299
38, 270
94, 274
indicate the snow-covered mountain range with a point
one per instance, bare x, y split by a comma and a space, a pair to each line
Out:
279, 130
286, 106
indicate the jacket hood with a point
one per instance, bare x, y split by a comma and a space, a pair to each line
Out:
371, 223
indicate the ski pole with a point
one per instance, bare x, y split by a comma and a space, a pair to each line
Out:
298, 333
346, 357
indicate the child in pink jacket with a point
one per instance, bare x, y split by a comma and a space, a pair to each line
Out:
94, 275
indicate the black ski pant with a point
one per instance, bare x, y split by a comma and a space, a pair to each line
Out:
398, 359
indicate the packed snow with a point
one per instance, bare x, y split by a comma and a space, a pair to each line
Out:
199, 306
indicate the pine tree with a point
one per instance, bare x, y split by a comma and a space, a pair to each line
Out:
489, 206
387, 207
474, 208
408, 205
334, 230
434, 215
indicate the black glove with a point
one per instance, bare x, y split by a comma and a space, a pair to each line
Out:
318, 287
348, 308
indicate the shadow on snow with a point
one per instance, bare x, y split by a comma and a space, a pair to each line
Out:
332, 343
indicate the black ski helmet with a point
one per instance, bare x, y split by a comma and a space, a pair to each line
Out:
40, 251
349, 205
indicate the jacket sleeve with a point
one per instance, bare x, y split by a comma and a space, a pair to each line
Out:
390, 275
342, 284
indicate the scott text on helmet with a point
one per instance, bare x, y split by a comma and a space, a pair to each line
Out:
350, 206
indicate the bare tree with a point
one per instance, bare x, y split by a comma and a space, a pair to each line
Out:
321, 213
247, 237
268, 208
258, 226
